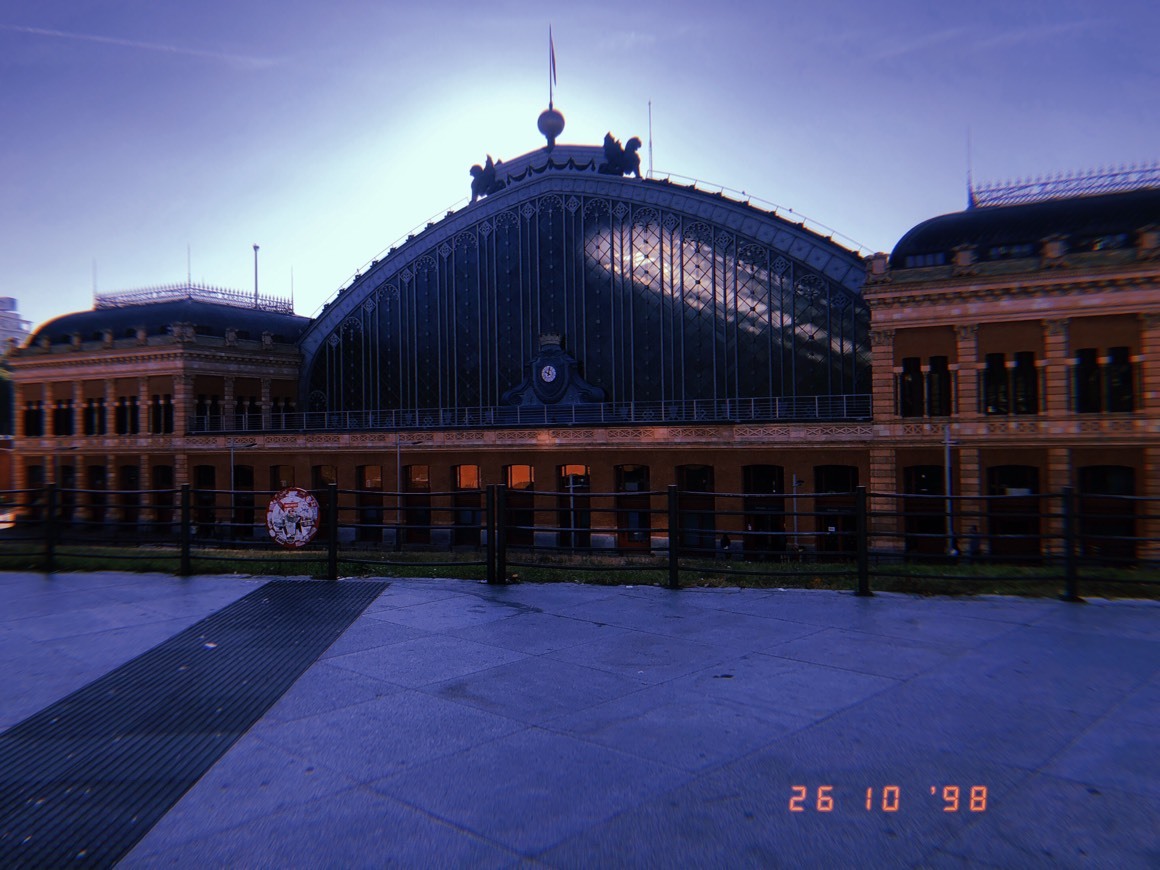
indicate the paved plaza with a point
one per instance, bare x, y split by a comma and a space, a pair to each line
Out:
559, 725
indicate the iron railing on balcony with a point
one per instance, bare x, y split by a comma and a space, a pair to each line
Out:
789, 410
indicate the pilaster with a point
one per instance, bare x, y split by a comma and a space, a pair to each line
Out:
18, 414
1058, 476
967, 354
142, 405
78, 401
1150, 527
182, 409
883, 506
229, 418
1150, 363
1056, 349
882, 375
267, 421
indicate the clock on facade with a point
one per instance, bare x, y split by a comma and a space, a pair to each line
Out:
548, 374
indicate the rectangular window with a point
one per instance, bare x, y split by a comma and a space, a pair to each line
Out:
370, 477
938, 381
62, 418
467, 477
996, 386
910, 388
1025, 384
281, 476
1088, 399
1119, 380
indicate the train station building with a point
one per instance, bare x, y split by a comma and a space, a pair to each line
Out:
579, 330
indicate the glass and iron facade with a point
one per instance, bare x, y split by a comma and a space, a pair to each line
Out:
669, 302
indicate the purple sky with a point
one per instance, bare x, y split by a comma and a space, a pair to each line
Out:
324, 132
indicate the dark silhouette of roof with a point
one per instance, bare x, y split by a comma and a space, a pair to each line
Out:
157, 318
1081, 218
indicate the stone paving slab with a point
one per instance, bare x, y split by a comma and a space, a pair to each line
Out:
578, 726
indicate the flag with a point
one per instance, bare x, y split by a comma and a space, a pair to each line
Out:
551, 54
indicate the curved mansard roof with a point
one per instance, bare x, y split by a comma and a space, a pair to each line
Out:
1000, 228
158, 318
572, 169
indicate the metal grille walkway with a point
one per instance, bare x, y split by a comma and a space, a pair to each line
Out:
84, 779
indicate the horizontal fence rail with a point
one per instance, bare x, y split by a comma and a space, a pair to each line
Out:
857, 538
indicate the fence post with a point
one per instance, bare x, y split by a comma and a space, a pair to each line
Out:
490, 523
674, 535
863, 544
332, 531
501, 533
1070, 568
50, 529
185, 531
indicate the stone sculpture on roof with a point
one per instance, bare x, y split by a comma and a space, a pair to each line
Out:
484, 180
618, 160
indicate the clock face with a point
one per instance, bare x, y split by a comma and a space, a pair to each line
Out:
548, 374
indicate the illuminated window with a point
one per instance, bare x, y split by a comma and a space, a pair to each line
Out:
467, 477
520, 476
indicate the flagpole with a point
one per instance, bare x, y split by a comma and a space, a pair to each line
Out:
551, 66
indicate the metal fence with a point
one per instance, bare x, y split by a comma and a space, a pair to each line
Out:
855, 538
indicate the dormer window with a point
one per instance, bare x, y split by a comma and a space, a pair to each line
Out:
919, 261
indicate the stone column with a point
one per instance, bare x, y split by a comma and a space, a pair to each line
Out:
1059, 475
78, 401
969, 509
229, 421
183, 399
967, 378
1150, 527
267, 420
143, 405
1056, 346
883, 507
110, 406
882, 374
1149, 374
18, 412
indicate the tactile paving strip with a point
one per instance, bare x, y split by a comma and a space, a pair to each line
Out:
86, 778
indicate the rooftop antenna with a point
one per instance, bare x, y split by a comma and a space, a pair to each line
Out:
188, 265
970, 173
650, 163
291, 286
94, 279
255, 276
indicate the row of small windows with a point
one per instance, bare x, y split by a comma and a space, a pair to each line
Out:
94, 416
1103, 242
124, 417
1013, 384
210, 413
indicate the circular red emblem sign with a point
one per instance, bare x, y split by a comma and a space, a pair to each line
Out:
292, 517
